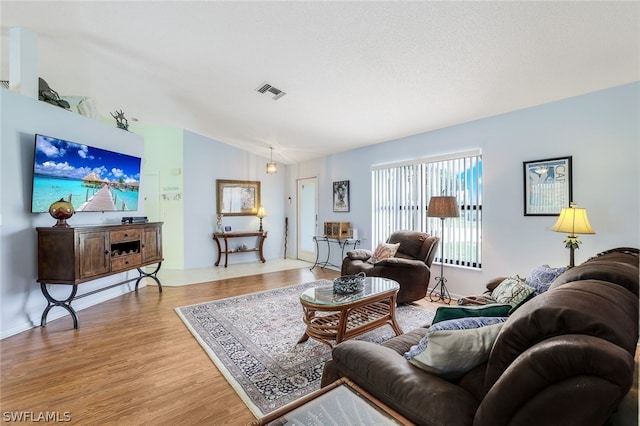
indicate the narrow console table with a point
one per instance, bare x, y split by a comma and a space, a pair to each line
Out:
217, 236
342, 243
75, 255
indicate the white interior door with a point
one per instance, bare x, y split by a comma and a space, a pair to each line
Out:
307, 218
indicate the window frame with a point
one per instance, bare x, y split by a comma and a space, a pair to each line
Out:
412, 183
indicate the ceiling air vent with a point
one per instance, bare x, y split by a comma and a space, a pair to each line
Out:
266, 87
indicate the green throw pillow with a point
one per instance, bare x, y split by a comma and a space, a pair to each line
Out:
444, 313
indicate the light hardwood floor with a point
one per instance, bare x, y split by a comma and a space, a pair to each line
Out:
132, 361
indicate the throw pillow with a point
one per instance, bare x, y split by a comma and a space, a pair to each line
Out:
513, 291
541, 278
444, 313
454, 347
383, 251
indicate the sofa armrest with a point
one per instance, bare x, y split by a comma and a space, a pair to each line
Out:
493, 283
359, 254
407, 389
399, 262
572, 379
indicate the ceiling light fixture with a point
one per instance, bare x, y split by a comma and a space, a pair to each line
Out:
272, 168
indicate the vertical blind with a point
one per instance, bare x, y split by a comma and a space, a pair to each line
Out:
401, 193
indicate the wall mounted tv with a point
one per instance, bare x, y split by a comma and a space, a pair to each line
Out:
93, 179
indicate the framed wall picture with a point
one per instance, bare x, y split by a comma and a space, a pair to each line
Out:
547, 186
237, 197
341, 196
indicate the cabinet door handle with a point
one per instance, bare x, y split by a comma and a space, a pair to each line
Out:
106, 252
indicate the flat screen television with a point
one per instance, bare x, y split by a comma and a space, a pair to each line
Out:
93, 179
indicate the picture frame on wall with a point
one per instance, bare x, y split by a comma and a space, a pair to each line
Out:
548, 186
341, 196
237, 197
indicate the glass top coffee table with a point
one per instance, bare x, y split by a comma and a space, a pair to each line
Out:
340, 403
331, 318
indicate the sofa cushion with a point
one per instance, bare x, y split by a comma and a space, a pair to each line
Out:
453, 347
402, 386
542, 277
383, 251
444, 313
620, 273
587, 307
405, 341
513, 291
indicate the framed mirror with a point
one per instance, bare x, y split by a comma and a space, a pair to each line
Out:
237, 197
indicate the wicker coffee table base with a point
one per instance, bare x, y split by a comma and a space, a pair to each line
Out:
334, 324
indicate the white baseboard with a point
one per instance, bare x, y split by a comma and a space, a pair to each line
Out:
78, 306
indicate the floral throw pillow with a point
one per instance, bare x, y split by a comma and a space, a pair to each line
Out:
542, 277
383, 251
512, 291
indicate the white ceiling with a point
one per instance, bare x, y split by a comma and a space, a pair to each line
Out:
354, 73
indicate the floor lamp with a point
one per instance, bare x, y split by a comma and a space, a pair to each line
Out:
442, 207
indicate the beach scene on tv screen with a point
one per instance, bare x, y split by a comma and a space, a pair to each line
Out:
92, 179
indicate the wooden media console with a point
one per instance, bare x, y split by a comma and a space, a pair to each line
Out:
74, 255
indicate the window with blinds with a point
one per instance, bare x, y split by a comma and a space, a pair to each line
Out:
401, 193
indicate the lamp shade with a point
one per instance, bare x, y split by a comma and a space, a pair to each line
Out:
443, 206
261, 213
272, 168
573, 220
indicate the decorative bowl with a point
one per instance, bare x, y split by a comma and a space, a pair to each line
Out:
348, 284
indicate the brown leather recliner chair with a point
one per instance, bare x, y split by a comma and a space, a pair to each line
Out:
410, 267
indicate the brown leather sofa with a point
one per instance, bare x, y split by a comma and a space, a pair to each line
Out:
565, 357
410, 266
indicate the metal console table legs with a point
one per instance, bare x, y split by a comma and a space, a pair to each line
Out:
343, 243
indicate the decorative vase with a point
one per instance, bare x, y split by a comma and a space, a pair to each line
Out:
219, 223
61, 210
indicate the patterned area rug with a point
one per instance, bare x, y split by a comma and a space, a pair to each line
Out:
252, 339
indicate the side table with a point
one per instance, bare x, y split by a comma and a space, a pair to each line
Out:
342, 243
217, 236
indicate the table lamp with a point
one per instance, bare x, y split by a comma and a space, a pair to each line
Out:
573, 220
442, 207
261, 214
